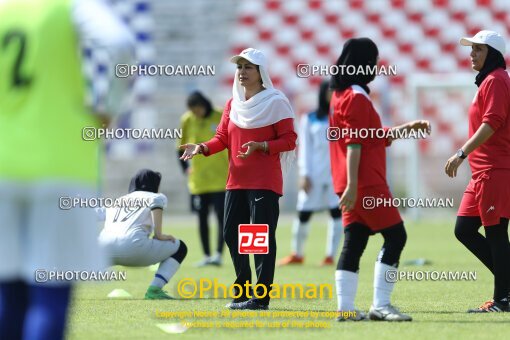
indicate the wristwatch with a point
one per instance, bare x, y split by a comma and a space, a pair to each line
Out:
201, 148
461, 154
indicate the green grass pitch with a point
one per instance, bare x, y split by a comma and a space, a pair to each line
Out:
438, 308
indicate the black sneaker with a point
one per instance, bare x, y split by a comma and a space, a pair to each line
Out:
490, 307
237, 301
250, 304
241, 298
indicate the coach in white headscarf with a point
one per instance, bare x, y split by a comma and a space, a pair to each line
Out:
257, 128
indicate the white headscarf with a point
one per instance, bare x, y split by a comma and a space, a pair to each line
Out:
263, 109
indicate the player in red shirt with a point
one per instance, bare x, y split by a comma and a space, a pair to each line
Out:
486, 200
359, 176
257, 128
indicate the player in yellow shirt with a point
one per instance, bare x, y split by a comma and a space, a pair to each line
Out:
43, 158
207, 177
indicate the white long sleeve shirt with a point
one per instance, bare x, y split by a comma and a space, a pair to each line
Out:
313, 153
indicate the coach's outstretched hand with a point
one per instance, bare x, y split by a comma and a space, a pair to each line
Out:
190, 150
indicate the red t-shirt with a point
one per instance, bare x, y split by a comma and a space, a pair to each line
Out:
352, 109
491, 105
260, 170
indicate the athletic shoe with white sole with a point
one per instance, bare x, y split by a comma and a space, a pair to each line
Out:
387, 313
354, 315
251, 304
204, 262
215, 260
239, 299
236, 301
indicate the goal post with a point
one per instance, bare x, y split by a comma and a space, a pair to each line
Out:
444, 100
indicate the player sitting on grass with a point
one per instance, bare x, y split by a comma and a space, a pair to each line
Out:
127, 230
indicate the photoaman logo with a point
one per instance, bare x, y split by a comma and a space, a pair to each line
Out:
253, 238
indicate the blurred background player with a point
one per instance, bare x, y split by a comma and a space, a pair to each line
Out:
316, 186
207, 177
359, 170
257, 128
43, 157
126, 233
486, 200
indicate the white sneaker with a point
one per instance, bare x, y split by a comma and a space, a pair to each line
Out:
387, 313
353, 315
203, 262
215, 260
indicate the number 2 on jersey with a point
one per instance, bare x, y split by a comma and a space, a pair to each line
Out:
18, 80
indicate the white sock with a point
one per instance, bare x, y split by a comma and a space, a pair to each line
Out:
382, 288
346, 287
299, 235
334, 236
166, 271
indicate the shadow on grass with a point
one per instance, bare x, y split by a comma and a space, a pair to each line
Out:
462, 321
434, 312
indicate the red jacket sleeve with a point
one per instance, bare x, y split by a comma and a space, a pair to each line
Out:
495, 103
220, 140
286, 137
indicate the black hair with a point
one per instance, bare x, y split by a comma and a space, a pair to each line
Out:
196, 98
145, 180
493, 61
323, 108
356, 52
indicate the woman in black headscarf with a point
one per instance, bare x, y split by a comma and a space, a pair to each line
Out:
128, 227
359, 178
361, 52
486, 199
145, 180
